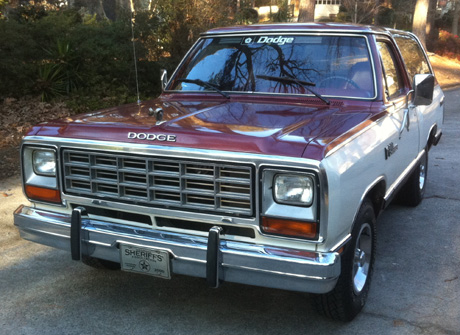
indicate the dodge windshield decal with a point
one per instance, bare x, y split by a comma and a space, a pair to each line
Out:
152, 137
280, 40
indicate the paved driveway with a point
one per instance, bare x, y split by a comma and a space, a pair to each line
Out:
415, 289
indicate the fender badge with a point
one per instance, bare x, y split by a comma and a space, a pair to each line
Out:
390, 150
152, 137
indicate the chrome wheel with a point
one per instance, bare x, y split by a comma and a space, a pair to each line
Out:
362, 258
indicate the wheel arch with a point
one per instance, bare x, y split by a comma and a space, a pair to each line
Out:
376, 194
431, 139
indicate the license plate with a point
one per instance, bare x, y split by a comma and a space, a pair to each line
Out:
153, 262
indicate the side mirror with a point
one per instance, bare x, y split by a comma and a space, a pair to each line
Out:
423, 89
163, 78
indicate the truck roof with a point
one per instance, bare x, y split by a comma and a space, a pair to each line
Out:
298, 27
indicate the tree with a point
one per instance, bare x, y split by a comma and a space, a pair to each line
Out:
306, 11
456, 17
420, 19
432, 33
361, 11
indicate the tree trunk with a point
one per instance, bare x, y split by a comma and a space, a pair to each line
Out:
420, 20
306, 11
431, 31
456, 17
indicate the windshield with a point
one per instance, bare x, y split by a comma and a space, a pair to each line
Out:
334, 65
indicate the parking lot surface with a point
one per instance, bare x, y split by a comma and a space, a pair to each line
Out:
415, 288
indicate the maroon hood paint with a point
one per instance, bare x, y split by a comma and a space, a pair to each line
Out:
261, 125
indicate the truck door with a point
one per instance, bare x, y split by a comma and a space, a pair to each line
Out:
402, 144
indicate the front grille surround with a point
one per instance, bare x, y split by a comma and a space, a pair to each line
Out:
186, 184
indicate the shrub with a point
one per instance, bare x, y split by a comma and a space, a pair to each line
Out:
448, 45
62, 54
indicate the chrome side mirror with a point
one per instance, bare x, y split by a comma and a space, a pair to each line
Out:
423, 89
163, 78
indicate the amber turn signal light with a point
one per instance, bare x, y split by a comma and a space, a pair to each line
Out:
43, 194
289, 227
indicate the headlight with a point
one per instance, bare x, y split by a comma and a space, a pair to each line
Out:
292, 189
44, 162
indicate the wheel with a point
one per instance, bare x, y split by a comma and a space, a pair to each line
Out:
100, 263
413, 190
347, 81
349, 296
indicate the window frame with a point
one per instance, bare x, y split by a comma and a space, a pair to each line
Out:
394, 52
416, 41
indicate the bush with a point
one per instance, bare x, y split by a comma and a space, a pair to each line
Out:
59, 55
448, 45
65, 54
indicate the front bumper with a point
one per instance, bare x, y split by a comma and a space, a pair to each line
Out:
239, 262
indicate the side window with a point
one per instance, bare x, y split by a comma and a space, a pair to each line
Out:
392, 80
413, 56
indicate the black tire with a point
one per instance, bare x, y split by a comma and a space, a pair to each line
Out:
413, 190
100, 264
349, 296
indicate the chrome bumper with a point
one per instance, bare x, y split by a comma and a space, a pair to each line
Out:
239, 262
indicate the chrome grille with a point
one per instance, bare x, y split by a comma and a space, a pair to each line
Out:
185, 184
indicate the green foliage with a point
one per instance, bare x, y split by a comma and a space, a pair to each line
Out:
386, 16
3, 4
60, 53
50, 82
285, 12
171, 28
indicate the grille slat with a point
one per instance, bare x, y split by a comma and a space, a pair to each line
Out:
155, 181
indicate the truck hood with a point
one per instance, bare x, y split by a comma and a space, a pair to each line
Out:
283, 128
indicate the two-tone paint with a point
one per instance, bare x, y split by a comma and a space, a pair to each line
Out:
345, 144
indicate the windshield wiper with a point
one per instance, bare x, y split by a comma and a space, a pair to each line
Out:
304, 84
204, 84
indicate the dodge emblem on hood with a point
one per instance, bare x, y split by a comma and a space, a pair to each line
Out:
152, 137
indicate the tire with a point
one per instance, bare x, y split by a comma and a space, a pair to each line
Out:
349, 296
100, 264
413, 190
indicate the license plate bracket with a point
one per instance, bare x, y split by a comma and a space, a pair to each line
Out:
151, 261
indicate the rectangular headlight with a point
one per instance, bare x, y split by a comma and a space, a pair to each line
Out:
293, 189
44, 162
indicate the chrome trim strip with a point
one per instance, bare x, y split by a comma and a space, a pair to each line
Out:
341, 243
299, 31
108, 245
179, 152
275, 272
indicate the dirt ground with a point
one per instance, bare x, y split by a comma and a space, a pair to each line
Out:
17, 116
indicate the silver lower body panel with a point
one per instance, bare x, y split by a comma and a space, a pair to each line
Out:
239, 262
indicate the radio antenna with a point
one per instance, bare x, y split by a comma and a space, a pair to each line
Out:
134, 52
